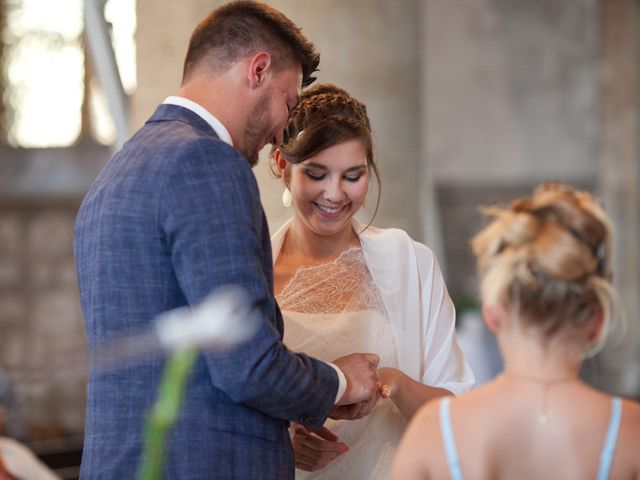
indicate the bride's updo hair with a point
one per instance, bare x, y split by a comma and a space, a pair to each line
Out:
326, 116
547, 259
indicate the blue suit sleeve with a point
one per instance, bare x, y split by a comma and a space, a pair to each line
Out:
215, 229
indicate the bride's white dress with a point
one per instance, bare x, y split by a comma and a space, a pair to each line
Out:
335, 309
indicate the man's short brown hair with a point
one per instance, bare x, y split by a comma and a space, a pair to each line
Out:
243, 27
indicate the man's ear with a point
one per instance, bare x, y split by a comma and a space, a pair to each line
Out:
260, 67
492, 315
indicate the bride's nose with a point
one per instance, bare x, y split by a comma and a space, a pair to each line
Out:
333, 191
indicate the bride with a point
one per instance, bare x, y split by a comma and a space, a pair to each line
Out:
344, 287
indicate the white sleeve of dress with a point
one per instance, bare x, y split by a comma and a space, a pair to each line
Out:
443, 363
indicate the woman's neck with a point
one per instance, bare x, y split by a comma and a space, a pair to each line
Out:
532, 357
303, 242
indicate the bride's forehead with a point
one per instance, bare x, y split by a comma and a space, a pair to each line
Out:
349, 151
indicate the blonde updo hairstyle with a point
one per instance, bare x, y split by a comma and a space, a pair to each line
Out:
326, 116
546, 260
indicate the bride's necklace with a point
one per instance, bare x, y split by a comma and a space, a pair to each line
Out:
543, 415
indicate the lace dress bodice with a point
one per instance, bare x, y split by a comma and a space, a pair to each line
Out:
335, 309
344, 284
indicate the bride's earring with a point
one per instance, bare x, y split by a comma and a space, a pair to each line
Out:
287, 200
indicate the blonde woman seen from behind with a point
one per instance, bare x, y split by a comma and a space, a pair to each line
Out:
544, 266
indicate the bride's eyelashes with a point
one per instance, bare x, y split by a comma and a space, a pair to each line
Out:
353, 179
356, 173
315, 175
321, 176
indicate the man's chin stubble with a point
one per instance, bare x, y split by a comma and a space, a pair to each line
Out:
251, 157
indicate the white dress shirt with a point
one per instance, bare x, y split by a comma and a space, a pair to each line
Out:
206, 115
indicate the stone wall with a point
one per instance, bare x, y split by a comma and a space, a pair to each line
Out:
42, 342
42, 346
512, 90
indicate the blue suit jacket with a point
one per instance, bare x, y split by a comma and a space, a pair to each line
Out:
173, 215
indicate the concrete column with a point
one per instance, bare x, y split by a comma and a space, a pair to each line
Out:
619, 175
510, 99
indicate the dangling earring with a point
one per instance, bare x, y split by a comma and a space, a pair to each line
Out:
287, 200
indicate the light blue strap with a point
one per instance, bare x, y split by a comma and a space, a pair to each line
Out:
609, 448
449, 442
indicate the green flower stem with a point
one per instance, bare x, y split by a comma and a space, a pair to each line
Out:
165, 412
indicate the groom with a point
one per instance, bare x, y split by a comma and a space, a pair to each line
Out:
175, 214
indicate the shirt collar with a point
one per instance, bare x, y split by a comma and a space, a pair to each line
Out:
203, 113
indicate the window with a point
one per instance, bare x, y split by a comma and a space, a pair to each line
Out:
51, 97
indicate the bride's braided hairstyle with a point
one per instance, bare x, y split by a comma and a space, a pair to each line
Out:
546, 258
326, 116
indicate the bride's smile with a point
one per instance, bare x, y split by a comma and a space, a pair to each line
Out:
330, 187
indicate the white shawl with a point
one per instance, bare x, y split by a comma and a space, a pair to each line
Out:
415, 296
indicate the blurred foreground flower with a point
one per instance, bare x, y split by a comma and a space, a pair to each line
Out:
223, 319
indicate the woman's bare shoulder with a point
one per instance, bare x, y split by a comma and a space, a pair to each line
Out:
426, 425
420, 446
627, 462
630, 423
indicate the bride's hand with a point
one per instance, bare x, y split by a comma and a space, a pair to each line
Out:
314, 449
389, 381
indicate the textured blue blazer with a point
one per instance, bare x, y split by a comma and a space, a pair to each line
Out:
173, 215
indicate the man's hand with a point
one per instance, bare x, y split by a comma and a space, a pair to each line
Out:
355, 411
314, 449
360, 370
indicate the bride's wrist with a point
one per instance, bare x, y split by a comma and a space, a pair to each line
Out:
390, 382
398, 380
